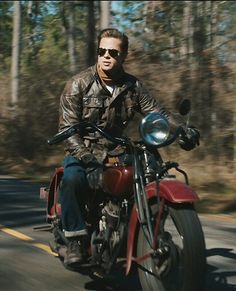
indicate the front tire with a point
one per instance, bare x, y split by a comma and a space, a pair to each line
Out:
183, 268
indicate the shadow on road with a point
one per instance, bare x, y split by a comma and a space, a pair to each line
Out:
218, 281
115, 281
215, 281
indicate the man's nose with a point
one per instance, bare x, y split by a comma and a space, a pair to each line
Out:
107, 54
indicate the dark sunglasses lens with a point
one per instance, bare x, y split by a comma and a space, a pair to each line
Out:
113, 53
101, 52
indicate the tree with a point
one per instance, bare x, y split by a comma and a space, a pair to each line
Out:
186, 43
91, 34
67, 14
104, 14
15, 53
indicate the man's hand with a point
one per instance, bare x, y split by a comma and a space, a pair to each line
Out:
88, 158
93, 170
189, 139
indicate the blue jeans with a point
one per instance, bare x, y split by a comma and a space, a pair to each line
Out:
73, 192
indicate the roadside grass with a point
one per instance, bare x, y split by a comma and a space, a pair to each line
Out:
216, 198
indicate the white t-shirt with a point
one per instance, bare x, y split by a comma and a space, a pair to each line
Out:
111, 88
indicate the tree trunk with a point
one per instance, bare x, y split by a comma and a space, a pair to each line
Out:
211, 39
15, 54
185, 30
186, 48
213, 31
29, 9
67, 17
71, 36
104, 14
91, 34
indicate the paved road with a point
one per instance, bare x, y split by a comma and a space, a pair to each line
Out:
27, 264
220, 236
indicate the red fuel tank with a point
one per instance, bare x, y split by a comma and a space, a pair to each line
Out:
118, 180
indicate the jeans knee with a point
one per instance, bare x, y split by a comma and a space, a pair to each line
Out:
73, 175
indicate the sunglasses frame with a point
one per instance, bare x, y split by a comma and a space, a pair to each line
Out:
102, 51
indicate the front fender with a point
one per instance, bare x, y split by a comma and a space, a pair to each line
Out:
173, 191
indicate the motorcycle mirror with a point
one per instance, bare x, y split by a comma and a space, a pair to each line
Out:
184, 106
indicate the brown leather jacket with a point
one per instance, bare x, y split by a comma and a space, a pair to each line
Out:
86, 98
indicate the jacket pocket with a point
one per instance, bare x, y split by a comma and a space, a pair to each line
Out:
92, 102
92, 108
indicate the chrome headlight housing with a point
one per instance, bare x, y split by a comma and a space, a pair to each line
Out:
154, 129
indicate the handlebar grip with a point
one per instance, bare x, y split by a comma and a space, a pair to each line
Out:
59, 137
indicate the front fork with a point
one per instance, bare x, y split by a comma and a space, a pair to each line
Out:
140, 180
144, 213
157, 249
150, 225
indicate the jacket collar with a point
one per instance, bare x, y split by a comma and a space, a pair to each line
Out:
126, 82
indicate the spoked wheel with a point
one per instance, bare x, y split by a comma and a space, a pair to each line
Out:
182, 266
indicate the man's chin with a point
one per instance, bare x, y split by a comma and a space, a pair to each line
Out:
107, 69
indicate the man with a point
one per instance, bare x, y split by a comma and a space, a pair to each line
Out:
108, 96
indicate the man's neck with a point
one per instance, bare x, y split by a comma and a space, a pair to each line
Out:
110, 78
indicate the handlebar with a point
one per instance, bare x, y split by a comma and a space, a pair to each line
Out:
59, 137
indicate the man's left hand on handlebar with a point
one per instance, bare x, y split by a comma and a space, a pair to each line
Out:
189, 139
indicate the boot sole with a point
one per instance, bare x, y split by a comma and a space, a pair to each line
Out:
72, 261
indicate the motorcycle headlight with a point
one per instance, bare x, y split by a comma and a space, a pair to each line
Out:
154, 129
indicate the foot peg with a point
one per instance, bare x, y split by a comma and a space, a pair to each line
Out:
46, 227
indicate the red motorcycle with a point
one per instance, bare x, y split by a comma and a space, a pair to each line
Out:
142, 216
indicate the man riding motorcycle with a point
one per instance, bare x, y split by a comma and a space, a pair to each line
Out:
109, 97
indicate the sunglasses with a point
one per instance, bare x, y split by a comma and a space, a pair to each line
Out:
112, 52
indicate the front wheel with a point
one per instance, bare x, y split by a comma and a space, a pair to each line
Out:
182, 267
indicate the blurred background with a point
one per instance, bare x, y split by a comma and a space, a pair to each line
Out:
179, 49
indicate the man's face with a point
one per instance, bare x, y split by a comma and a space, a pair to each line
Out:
113, 59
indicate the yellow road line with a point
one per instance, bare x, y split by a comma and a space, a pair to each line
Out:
15, 233
27, 238
45, 248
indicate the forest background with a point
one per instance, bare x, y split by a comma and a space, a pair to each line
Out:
179, 49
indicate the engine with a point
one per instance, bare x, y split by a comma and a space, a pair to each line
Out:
112, 222
110, 216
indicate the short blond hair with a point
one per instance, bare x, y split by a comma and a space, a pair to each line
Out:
113, 32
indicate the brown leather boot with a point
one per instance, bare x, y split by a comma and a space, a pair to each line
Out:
75, 253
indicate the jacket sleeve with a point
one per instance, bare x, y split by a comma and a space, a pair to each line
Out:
70, 112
